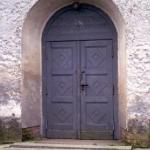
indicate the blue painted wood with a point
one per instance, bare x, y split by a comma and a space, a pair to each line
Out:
97, 97
62, 90
78, 74
86, 23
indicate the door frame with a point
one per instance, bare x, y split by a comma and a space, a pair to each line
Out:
114, 73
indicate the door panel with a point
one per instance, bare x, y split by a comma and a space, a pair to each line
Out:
62, 89
96, 96
79, 86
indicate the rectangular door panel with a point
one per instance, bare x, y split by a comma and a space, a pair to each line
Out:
62, 89
96, 95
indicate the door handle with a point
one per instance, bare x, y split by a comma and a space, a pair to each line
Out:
83, 81
84, 85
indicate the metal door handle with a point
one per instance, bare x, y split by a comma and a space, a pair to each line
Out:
84, 85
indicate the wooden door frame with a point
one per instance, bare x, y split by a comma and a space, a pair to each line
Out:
115, 75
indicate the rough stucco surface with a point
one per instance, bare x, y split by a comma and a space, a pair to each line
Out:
12, 14
136, 14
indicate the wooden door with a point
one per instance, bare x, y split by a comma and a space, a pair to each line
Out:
80, 90
61, 89
96, 90
78, 74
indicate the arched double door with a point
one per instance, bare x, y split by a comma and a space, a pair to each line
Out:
78, 74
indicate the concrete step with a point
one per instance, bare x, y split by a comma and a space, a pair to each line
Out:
68, 146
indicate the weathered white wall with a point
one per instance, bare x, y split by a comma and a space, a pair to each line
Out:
136, 14
12, 14
137, 17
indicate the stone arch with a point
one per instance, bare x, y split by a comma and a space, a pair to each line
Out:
33, 27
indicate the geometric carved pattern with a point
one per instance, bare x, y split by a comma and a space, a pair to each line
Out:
62, 58
62, 114
97, 86
97, 115
62, 86
95, 56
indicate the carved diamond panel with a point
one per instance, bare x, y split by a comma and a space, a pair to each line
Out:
95, 56
98, 86
97, 113
62, 58
62, 113
62, 86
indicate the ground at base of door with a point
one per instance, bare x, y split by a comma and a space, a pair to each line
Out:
68, 145
6, 147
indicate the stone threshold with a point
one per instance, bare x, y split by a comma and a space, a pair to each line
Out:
69, 146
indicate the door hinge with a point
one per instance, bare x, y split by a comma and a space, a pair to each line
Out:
113, 131
46, 124
113, 127
113, 90
46, 91
112, 53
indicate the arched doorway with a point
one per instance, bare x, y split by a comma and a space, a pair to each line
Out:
80, 74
